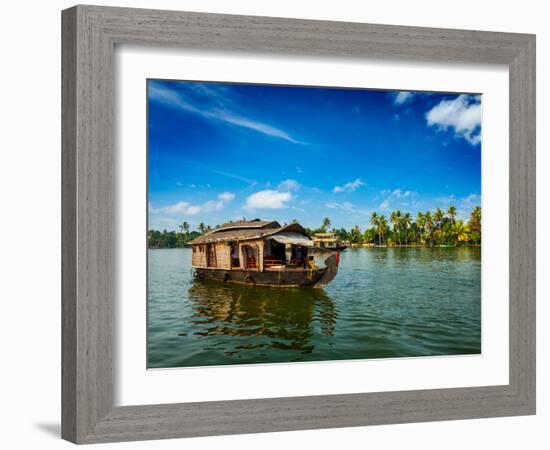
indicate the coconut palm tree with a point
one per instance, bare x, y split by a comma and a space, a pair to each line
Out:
355, 234
459, 232
406, 222
420, 222
475, 218
438, 220
326, 224
202, 228
438, 217
451, 212
395, 219
429, 225
474, 224
382, 227
374, 221
184, 227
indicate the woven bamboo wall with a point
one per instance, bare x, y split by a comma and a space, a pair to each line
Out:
222, 258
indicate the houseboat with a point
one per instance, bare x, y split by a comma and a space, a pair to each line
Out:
261, 253
329, 241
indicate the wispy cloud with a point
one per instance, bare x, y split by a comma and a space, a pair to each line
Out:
233, 176
217, 109
402, 97
226, 196
464, 205
396, 198
462, 115
184, 208
345, 206
268, 199
349, 187
289, 185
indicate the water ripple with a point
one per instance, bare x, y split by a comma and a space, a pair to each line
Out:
383, 303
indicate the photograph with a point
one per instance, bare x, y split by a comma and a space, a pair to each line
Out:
293, 224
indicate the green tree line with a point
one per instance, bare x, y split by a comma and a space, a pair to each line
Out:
426, 228
175, 239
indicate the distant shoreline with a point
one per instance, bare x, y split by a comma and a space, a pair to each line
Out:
415, 246
357, 246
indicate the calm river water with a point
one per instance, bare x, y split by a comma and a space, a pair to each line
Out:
383, 303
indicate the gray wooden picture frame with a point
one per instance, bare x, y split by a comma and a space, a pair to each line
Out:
90, 34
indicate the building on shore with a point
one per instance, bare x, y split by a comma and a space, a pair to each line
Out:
329, 241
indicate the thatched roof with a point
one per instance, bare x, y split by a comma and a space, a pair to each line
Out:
246, 224
244, 231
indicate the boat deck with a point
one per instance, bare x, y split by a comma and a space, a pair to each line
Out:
285, 269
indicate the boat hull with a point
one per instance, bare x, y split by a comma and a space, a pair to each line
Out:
337, 248
271, 277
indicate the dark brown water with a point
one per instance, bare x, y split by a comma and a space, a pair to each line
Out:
383, 303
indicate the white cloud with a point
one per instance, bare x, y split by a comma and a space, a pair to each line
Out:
403, 198
226, 196
289, 185
349, 187
403, 97
464, 205
398, 193
221, 112
346, 206
184, 208
268, 199
462, 115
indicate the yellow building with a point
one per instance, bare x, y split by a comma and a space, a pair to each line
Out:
329, 241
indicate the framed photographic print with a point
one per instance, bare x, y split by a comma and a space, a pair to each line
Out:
305, 210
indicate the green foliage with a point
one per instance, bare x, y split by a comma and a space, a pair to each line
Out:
355, 235
427, 228
170, 239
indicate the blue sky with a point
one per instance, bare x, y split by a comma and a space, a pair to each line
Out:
219, 152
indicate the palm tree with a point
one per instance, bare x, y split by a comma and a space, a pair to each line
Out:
202, 228
459, 232
406, 222
355, 235
382, 226
438, 217
438, 220
184, 227
420, 221
451, 212
326, 224
395, 219
429, 224
475, 218
475, 224
375, 221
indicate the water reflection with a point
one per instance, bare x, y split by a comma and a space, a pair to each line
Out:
285, 317
393, 302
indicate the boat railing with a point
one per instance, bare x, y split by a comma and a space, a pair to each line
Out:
272, 261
